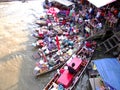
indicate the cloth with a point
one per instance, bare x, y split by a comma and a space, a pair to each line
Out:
65, 79
88, 45
87, 29
71, 70
57, 43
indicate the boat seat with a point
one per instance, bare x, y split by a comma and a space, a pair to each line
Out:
65, 79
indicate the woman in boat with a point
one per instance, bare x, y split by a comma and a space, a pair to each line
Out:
51, 46
71, 69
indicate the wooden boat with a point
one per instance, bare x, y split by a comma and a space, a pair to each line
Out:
63, 78
60, 57
41, 22
37, 55
42, 68
40, 32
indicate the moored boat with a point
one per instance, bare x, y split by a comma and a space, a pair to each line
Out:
53, 60
49, 62
64, 78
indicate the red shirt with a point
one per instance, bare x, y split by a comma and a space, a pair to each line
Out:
115, 12
63, 22
88, 45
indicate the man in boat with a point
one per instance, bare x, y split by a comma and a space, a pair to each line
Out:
71, 69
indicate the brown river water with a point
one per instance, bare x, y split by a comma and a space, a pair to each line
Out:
17, 22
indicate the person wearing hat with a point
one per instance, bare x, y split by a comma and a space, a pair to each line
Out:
71, 69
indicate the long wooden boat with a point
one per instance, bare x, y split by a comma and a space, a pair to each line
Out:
63, 55
43, 68
64, 79
41, 22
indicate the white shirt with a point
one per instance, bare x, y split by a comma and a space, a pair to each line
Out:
98, 14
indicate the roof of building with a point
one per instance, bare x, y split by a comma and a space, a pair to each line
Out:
109, 70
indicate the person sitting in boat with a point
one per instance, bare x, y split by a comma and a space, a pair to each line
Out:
84, 53
46, 4
71, 69
40, 33
38, 43
89, 46
51, 61
51, 46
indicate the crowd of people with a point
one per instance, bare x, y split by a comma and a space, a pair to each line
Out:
60, 27
94, 18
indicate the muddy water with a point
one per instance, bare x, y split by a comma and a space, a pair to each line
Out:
17, 22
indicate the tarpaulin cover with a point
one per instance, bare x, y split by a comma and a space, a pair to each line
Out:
64, 2
109, 70
100, 3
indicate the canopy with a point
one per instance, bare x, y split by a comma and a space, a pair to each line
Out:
109, 70
100, 3
63, 2
53, 11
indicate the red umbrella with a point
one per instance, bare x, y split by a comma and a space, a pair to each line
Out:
57, 42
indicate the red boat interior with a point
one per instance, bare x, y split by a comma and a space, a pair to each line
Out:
66, 78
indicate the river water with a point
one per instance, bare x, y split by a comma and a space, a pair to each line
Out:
17, 22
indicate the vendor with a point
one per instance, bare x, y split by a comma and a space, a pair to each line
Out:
71, 69
51, 61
